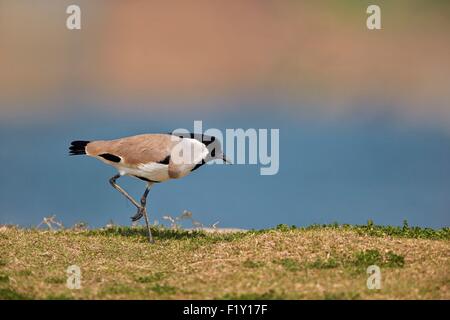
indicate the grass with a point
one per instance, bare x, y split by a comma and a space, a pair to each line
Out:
269, 295
382, 231
163, 289
253, 264
150, 278
323, 264
4, 278
288, 264
316, 262
374, 257
55, 280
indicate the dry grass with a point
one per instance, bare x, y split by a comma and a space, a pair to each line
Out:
316, 263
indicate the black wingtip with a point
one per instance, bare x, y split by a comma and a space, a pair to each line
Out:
78, 147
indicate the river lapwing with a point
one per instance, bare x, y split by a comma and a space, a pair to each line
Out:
152, 158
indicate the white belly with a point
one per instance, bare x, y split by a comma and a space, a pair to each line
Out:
151, 171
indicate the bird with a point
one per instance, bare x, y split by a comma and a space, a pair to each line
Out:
153, 158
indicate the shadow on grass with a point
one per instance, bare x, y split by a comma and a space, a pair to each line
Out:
165, 234
162, 233
159, 233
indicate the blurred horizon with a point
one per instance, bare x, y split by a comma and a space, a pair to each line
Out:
308, 58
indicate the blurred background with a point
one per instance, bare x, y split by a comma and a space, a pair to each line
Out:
364, 116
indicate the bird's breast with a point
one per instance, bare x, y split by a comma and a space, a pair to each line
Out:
148, 171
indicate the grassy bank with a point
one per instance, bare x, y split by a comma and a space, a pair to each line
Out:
318, 262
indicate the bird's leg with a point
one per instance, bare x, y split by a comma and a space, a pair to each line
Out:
141, 208
112, 181
140, 212
143, 211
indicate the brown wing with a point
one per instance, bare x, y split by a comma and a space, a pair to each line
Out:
135, 150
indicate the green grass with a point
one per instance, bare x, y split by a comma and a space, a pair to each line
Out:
370, 230
253, 264
394, 260
55, 280
4, 278
151, 278
323, 264
118, 289
341, 296
269, 295
24, 272
374, 257
9, 294
380, 231
163, 289
286, 262
58, 297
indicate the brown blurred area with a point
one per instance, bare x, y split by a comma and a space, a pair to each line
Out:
309, 55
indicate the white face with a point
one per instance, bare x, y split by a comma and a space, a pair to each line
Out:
194, 148
188, 152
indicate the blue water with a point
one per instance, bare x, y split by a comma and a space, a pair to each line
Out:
346, 172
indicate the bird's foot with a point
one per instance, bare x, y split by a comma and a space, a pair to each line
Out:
138, 215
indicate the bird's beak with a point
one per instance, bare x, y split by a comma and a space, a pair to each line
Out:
225, 159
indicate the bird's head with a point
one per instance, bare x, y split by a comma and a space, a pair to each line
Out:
215, 149
212, 144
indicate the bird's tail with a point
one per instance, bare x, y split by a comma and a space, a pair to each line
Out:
78, 147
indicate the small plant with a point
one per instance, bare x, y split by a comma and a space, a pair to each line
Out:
9, 294
323, 264
253, 264
405, 225
51, 223
394, 261
24, 272
80, 226
55, 280
4, 278
186, 215
368, 258
289, 264
285, 227
118, 289
151, 278
373, 257
110, 224
163, 289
